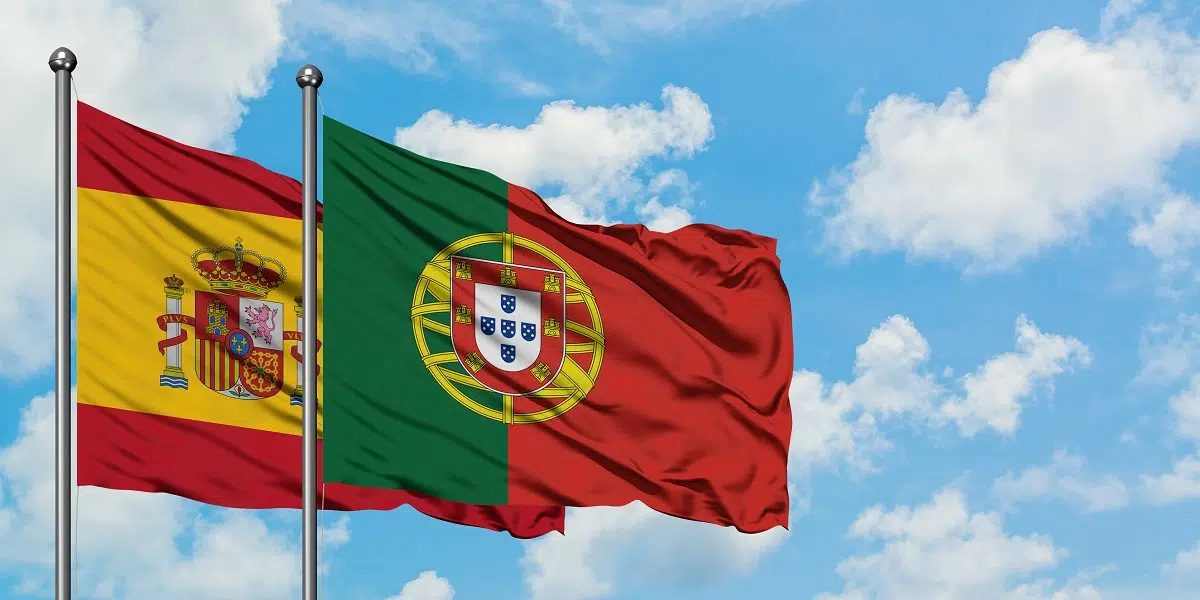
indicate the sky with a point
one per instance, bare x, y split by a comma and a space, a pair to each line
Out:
987, 219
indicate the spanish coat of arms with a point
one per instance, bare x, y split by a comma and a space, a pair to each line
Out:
240, 335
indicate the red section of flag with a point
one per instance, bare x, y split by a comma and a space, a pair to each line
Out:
690, 413
115, 156
237, 467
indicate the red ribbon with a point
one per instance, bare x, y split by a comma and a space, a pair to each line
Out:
299, 337
164, 320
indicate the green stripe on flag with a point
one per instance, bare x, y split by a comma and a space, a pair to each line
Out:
387, 212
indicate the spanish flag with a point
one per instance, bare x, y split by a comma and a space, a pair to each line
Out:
189, 330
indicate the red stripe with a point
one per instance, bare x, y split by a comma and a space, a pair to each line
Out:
116, 156
232, 368
202, 368
246, 468
222, 358
219, 363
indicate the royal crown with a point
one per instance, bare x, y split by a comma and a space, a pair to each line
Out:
237, 270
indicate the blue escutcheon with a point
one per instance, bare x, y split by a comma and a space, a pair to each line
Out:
238, 343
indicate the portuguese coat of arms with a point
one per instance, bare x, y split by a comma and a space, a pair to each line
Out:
507, 323
240, 334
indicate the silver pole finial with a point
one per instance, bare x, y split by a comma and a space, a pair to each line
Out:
63, 60
309, 76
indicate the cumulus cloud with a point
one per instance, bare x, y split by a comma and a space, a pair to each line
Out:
841, 422
135, 545
1065, 479
942, 550
627, 546
183, 69
1067, 131
1172, 231
993, 393
1186, 563
1180, 485
597, 157
427, 586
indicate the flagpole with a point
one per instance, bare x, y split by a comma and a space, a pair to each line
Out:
62, 63
309, 79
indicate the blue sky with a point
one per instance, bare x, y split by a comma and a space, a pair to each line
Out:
987, 223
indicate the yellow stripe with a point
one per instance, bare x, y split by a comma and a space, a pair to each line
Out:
126, 246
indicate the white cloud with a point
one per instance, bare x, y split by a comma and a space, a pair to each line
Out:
1186, 564
408, 33
337, 534
330, 538
1172, 231
994, 392
184, 69
670, 215
597, 156
1181, 484
941, 550
427, 586
597, 23
524, 86
1064, 479
1117, 12
1186, 406
1067, 131
1172, 234
134, 545
841, 422
608, 548
1170, 350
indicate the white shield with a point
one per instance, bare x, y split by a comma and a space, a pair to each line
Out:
262, 319
507, 330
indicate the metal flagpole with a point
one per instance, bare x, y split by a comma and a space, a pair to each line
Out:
62, 62
309, 79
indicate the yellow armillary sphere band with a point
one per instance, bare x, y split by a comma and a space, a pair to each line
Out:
432, 297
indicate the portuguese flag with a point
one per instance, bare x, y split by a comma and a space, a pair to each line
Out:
189, 332
481, 349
